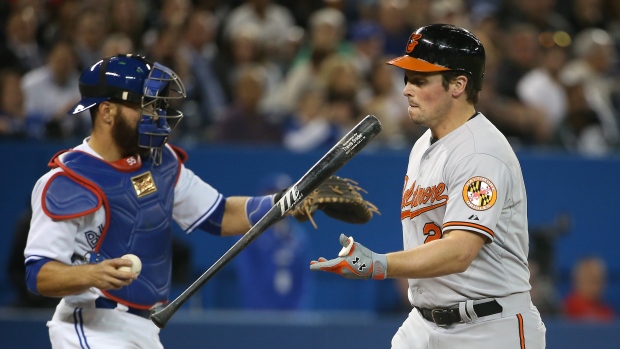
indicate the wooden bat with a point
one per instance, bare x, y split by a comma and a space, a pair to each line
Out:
354, 141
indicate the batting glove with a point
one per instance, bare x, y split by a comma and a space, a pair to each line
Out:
354, 262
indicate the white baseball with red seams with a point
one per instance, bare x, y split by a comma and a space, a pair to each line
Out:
136, 267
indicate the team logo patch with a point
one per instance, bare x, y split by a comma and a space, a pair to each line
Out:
412, 42
479, 193
144, 184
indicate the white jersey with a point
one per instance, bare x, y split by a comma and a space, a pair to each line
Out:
60, 240
468, 180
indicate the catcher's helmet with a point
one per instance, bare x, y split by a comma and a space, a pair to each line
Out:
133, 79
443, 47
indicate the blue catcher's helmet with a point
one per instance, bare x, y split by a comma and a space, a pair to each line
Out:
133, 79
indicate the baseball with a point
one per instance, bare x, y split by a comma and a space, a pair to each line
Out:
137, 264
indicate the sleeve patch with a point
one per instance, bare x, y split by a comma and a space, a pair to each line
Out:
479, 193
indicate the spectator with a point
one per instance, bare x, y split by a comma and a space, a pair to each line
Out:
89, 36
115, 44
591, 72
50, 91
272, 20
368, 41
243, 122
541, 87
246, 48
128, 17
539, 13
61, 20
308, 127
327, 38
275, 266
395, 26
343, 84
521, 54
12, 113
543, 293
169, 14
206, 99
21, 49
585, 299
521, 124
585, 14
453, 12
581, 131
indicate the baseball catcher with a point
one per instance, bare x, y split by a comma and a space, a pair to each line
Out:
338, 198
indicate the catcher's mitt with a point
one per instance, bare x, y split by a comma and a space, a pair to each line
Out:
340, 199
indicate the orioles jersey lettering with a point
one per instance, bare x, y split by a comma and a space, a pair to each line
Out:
416, 195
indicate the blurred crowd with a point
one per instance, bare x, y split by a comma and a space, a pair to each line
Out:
300, 74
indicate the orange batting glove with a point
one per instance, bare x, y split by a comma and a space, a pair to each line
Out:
354, 262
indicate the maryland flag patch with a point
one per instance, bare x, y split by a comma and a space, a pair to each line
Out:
479, 193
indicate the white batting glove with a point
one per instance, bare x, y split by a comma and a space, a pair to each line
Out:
354, 262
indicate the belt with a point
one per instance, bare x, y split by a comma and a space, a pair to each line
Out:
447, 317
104, 303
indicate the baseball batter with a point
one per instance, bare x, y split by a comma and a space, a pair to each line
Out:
463, 211
116, 194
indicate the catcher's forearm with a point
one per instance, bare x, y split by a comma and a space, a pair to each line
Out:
235, 220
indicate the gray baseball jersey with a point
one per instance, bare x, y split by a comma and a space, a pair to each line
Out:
468, 180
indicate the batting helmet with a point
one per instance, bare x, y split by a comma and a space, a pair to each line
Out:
132, 78
443, 47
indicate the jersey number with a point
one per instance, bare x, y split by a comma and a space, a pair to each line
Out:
432, 232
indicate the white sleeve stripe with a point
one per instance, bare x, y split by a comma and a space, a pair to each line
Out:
205, 215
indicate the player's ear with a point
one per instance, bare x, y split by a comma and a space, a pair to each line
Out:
106, 112
458, 85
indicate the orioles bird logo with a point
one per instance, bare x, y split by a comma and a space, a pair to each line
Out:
413, 41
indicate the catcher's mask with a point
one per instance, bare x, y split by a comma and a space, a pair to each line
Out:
133, 79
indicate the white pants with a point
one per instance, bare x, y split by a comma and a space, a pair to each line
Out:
519, 326
90, 328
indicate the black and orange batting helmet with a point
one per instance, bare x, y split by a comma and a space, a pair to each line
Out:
444, 47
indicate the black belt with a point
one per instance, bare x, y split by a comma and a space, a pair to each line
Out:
104, 303
447, 317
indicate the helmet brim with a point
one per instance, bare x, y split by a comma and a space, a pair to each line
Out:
86, 103
415, 64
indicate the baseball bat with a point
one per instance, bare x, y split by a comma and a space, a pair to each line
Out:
354, 141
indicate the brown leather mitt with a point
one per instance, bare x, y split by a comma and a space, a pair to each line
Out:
340, 199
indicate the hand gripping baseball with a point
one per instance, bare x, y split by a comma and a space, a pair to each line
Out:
354, 262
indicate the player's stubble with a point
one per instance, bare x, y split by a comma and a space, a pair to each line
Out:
430, 103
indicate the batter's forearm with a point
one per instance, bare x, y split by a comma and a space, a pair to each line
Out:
438, 258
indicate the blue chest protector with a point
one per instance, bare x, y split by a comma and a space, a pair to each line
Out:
138, 202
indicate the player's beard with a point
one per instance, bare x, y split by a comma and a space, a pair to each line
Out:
126, 137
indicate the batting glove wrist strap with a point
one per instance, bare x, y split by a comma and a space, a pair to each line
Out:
354, 261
